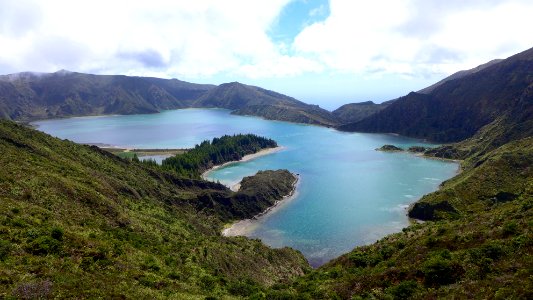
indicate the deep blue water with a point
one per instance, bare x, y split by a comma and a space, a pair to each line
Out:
348, 194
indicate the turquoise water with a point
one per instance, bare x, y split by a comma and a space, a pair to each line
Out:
348, 194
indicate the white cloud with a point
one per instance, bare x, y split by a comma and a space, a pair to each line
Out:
191, 38
202, 38
417, 36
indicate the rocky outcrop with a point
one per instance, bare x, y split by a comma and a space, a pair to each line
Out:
389, 148
256, 194
430, 211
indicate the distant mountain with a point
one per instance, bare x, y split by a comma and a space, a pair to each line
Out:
255, 101
27, 96
458, 75
458, 108
30, 96
354, 112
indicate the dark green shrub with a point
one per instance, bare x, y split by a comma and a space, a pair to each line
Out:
387, 251
257, 296
404, 290
492, 250
57, 233
5, 249
431, 241
18, 222
522, 241
150, 263
335, 272
359, 259
445, 253
244, 288
87, 264
148, 280
440, 271
510, 228
485, 266
401, 244
174, 275
44, 245
503, 293
208, 282
281, 295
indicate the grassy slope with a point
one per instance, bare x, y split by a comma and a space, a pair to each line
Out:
79, 222
483, 251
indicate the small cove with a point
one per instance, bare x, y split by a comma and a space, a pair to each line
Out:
348, 193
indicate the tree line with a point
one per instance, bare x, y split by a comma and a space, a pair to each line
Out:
216, 152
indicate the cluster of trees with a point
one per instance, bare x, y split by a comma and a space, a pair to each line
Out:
218, 151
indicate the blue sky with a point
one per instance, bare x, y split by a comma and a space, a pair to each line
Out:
323, 52
295, 16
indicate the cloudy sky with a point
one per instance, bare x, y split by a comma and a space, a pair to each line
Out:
319, 51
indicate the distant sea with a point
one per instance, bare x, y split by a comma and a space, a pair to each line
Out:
348, 194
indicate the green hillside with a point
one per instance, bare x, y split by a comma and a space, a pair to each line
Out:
456, 109
78, 222
480, 249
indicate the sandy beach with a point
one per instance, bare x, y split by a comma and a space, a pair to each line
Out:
243, 227
245, 158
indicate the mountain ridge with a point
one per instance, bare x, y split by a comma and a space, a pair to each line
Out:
28, 96
252, 100
354, 112
458, 108
457, 75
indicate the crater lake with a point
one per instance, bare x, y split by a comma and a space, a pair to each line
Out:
348, 193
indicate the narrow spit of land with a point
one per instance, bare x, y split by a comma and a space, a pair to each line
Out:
129, 152
235, 187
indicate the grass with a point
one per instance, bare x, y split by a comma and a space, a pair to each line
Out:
77, 222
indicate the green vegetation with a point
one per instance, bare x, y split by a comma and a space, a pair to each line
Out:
79, 222
265, 188
479, 246
457, 109
389, 148
417, 149
219, 151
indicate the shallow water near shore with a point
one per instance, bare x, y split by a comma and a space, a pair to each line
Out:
348, 193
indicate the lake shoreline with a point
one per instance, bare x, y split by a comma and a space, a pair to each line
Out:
241, 227
245, 158
365, 177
